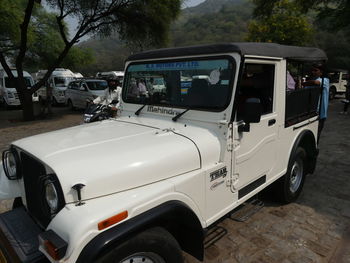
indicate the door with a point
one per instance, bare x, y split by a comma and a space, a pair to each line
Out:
84, 94
255, 150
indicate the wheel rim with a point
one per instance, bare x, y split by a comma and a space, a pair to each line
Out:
143, 258
296, 176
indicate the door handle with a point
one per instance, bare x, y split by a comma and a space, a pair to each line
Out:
272, 122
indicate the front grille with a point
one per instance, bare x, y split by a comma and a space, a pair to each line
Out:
34, 177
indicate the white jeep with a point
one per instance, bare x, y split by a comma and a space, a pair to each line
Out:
148, 184
338, 81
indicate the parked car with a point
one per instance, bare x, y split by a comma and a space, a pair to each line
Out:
8, 92
339, 79
82, 90
149, 184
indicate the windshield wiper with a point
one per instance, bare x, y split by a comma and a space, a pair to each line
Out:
137, 113
180, 114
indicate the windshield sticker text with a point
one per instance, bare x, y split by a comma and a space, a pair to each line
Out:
176, 65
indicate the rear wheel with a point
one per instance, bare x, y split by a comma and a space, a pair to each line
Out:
155, 245
289, 187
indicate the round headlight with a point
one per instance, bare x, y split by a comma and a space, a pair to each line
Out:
10, 161
51, 196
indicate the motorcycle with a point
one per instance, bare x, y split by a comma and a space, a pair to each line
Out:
98, 112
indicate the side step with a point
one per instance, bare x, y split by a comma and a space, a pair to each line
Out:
213, 235
246, 210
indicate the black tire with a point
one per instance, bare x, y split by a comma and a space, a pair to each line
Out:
332, 93
70, 105
155, 245
289, 187
17, 203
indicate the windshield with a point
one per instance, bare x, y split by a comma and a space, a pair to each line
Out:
62, 81
11, 84
97, 85
192, 83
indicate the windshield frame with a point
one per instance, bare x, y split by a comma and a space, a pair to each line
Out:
227, 57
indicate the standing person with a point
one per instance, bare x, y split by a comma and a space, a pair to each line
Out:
139, 90
290, 82
318, 79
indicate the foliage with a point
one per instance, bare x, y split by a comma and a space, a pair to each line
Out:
26, 38
285, 24
337, 11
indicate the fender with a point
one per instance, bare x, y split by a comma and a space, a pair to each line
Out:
306, 139
177, 218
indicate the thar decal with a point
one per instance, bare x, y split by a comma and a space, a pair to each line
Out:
218, 173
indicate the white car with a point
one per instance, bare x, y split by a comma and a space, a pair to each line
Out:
150, 183
82, 90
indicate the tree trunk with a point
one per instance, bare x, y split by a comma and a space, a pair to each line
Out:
27, 106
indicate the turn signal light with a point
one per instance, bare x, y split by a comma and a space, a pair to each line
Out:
55, 246
51, 250
112, 220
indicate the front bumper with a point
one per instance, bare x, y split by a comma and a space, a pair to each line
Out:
19, 238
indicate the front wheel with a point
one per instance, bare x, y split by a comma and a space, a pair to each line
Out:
155, 245
288, 188
70, 105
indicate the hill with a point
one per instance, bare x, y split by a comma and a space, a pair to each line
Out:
209, 6
212, 21
209, 22
226, 23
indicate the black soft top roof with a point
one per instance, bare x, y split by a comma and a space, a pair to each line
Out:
243, 48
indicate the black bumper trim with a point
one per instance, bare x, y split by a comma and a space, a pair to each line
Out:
19, 237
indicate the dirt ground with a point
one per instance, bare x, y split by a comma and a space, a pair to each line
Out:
314, 229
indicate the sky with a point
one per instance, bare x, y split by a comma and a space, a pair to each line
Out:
189, 3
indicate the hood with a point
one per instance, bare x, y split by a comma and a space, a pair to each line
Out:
112, 156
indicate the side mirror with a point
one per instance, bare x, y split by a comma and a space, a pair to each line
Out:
252, 114
252, 110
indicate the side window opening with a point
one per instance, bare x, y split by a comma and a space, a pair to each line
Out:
258, 81
301, 103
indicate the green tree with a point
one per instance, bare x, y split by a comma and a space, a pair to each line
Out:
336, 11
285, 24
148, 20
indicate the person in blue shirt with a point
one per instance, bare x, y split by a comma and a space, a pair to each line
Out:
319, 80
